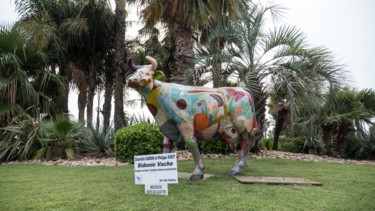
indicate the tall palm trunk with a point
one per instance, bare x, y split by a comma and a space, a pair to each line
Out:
91, 94
327, 138
82, 100
342, 133
120, 56
281, 115
218, 44
184, 50
65, 92
107, 97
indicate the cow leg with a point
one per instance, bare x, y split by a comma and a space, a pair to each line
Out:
167, 145
187, 132
242, 154
198, 173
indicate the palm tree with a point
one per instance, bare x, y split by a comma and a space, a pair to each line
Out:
354, 107
255, 57
184, 18
119, 59
42, 28
24, 78
341, 111
84, 29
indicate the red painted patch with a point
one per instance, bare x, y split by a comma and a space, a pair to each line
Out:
224, 136
231, 92
181, 104
149, 80
239, 95
152, 109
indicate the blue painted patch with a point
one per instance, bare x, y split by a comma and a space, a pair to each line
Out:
170, 130
166, 104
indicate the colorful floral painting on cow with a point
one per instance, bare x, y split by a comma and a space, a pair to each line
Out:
197, 113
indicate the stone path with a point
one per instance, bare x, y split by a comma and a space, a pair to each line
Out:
186, 155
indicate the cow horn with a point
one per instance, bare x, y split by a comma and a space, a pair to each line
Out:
153, 62
132, 66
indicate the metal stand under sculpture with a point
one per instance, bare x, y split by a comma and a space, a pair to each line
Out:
197, 113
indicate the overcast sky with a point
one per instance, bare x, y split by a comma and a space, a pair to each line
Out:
343, 26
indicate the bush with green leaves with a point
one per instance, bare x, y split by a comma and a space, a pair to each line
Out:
140, 139
267, 143
215, 146
296, 145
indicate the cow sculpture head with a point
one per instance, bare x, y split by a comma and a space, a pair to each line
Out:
144, 74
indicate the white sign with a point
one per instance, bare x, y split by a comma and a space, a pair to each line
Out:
155, 169
156, 189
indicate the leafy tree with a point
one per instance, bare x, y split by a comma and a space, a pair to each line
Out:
354, 107
25, 83
256, 56
82, 30
184, 18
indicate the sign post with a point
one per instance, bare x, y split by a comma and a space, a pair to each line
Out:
156, 172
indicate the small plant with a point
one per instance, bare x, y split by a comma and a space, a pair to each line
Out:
313, 139
60, 137
20, 139
98, 141
140, 139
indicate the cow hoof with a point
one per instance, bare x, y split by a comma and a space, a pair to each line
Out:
233, 173
196, 177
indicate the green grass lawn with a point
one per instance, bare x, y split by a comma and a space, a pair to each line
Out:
39, 187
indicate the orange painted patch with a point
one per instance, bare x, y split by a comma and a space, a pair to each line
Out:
201, 122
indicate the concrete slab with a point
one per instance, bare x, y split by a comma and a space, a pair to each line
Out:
276, 180
186, 175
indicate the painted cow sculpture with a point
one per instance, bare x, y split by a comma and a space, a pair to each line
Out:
197, 113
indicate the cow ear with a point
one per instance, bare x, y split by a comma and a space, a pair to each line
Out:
158, 75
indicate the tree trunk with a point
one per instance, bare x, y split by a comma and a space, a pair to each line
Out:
342, 133
107, 98
64, 93
91, 94
281, 114
260, 112
327, 138
184, 50
120, 56
82, 100
218, 44
98, 112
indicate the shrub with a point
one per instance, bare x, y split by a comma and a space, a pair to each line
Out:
140, 139
215, 146
286, 144
296, 145
59, 137
267, 143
